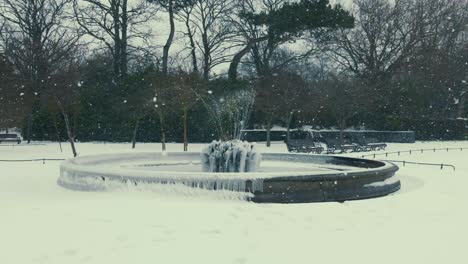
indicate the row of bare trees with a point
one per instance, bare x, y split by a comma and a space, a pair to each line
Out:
399, 39
36, 40
276, 52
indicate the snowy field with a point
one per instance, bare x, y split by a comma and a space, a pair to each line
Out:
40, 222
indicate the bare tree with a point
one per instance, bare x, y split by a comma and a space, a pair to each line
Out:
170, 38
209, 32
35, 39
160, 83
387, 34
264, 29
250, 33
291, 91
173, 9
185, 16
415, 41
63, 93
137, 102
11, 102
119, 25
461, 84
185, 87
445, 53
216, 32
343, 99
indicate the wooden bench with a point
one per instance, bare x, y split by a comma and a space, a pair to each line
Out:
334, 146
376, 146
309, 142
303, 146
371, 144
10, 138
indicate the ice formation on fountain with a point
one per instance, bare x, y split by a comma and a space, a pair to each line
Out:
230, 156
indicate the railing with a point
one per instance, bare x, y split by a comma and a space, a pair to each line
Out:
30, 160
441, 165
9, 144
411, 151
419, 151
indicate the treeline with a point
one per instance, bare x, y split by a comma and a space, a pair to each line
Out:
197, 70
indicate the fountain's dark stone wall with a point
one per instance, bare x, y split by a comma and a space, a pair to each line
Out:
329, 187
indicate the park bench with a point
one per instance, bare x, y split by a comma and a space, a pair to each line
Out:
334, 146
304, 146
337, 148
376, 146
311, 142
10, 138
371, 144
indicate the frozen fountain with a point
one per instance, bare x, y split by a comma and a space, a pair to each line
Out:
234, 167
230, 156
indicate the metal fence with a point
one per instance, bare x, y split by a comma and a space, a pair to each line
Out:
411, 151
404, 162
30, 160
416, 151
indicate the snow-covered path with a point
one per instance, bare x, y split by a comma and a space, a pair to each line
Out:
40, 222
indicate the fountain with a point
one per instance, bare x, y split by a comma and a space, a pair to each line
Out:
234, 166
231, 156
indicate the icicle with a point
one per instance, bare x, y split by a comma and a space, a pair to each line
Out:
234, 156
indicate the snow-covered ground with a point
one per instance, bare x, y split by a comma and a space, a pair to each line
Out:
40, 222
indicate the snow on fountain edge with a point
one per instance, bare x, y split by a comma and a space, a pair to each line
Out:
106, 172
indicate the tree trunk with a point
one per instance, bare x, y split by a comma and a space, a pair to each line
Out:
192, 45
461, 106
168, 44
71, 138
163, 132
288, 126
30, 123
123, 41
185, 130
117, 40
69, 133
341, 137
135, 132
206, 57
232, 72
268, 136
342, 127
57, 132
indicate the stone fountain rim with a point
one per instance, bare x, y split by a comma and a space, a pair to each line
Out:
95, 165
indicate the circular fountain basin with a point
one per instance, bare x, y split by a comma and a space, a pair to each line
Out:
282, 178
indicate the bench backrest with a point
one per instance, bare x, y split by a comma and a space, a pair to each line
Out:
8, 136
300, 142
